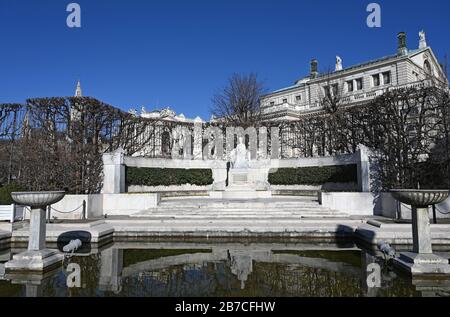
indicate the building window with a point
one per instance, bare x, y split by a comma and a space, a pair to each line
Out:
359, 84
335, 89
427, 67
331, 91
350, 86
298, 98
272, 103
285, 100
165, 143
386, 78
376, 80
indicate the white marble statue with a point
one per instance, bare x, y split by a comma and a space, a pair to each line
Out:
240, 155
338, 63
133, 112
423, 40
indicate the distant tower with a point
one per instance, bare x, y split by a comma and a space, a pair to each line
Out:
78, 92
402, 48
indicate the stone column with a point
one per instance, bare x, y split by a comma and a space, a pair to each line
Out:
275, 143
113, 172
363, 166
198, 141
421, 231
262, 137
36, 241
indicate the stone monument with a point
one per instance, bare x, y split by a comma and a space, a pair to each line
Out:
240, 157
244, 177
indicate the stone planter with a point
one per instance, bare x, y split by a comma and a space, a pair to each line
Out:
37, 257
421, 261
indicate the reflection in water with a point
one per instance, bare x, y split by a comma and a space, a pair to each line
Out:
241, 265
137, 269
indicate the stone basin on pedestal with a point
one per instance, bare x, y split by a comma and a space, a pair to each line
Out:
421, 261
37, 257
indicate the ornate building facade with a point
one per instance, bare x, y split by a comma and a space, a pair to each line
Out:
355, 84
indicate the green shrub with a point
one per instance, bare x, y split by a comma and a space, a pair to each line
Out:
168, 176
5, 193
314, 175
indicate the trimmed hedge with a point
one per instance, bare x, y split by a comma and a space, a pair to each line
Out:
5, 193
168, 176
133, 256
314, 175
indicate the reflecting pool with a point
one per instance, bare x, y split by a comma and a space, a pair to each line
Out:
220, 269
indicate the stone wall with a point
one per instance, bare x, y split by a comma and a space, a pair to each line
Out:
99, 205
369, 204
258, 172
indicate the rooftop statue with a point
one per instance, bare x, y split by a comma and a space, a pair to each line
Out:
423, 40
338, 63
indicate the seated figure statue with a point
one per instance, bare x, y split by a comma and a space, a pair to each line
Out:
240, 155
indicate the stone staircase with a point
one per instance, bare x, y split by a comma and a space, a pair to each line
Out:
262, 209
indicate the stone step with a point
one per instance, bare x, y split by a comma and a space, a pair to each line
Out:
241, 216
262, 210
238, 217
237, 220
158, 228
272, 201
237, 211
260, 201
240, 208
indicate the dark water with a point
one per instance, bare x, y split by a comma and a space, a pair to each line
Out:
229, 269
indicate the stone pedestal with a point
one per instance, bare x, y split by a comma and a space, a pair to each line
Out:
421, 231
113, 172
421, 261
37, 258
242, 185
33, 282
422, 264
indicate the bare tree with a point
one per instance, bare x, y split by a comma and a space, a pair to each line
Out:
238, 103
56, 143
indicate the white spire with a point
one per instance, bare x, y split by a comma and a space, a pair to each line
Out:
78, 92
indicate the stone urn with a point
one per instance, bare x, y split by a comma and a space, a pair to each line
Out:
37, 257
37, 199
421, 260
420, 198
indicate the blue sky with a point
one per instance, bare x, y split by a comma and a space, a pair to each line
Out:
177, 53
